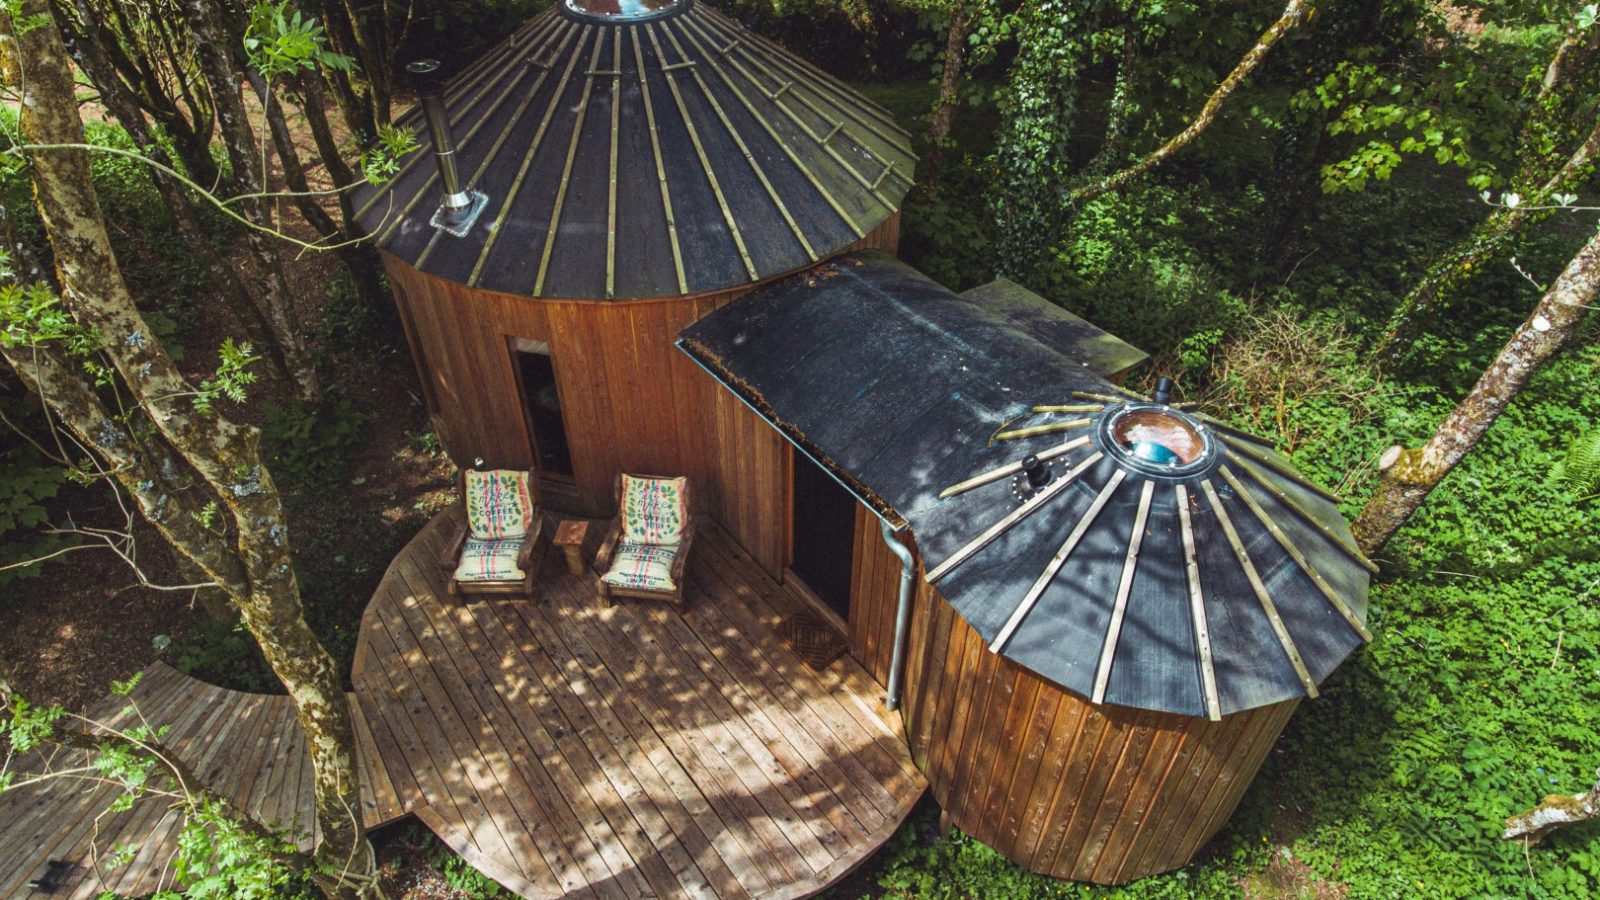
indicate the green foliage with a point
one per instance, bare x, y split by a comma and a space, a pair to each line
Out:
459, 875
381, 161
230, 379
224, 653
916, 864
280, 41
219, 858
27, 482
307, 448
1579, 473
25, 726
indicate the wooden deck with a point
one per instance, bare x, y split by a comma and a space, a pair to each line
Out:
565, 749
246, 747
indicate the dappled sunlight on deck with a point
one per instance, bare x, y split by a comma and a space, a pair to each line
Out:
565, 748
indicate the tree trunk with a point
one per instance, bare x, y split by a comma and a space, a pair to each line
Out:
358, 260
250, 179
230, 287
125, 43
361, 259
371, 38
944, 108
1410, 474
355, 92
1117, 113
224, 455
1450, 273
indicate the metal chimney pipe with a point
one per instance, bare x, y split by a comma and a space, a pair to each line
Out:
460, 206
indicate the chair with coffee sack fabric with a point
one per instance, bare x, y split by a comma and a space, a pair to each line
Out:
491, 552
646, 550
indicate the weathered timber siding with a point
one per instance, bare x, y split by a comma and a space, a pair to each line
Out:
1057, 784
632, 402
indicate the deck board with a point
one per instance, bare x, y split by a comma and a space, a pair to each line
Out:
568, 749
563, 748
246, 747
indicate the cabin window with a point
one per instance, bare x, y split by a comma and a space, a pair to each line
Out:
541, 406
824, 531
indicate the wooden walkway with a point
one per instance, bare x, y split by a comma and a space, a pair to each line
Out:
569, 750
246, 747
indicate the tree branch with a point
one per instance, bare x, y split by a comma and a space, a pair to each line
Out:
1293, 15
1555, 811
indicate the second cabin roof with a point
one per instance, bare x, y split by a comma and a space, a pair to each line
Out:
660, 154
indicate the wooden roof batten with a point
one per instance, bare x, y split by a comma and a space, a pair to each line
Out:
668, 154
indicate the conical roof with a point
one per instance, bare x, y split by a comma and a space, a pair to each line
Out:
644, 148
1161, 561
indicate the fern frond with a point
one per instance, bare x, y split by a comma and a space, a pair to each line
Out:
1580, 472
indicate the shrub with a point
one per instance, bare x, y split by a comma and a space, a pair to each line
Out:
27, 480
310, 448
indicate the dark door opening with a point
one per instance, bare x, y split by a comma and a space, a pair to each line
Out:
824, 534
541, 404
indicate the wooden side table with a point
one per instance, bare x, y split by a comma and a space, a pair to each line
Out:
569, 537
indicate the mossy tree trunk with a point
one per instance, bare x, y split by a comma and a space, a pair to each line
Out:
1294, 13
248, 555
1553, 812
151, 60
1410, 474
359, 260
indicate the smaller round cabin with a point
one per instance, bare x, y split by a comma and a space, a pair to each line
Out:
1118, 602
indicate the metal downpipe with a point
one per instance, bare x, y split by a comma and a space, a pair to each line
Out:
902, 616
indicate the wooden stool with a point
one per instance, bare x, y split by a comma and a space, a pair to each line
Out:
569, 537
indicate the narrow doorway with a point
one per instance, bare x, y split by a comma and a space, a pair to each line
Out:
823, 530
541, 407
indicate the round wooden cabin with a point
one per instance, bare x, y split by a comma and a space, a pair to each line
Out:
1117, 603
611, 173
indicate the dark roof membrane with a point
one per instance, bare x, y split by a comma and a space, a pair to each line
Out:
653, 151
901, 387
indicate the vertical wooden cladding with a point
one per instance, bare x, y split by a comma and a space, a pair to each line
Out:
631, 401
1057, 784
874, 593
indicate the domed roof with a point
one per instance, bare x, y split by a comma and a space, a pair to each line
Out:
644, 148
1127, 548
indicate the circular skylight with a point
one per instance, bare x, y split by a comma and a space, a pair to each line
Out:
1158, 440
623, 10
